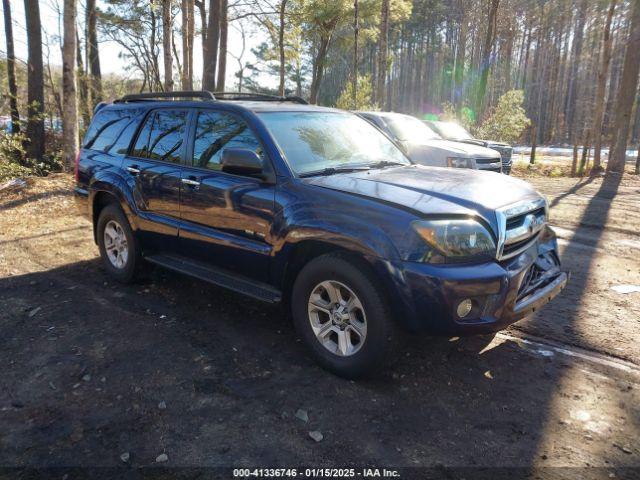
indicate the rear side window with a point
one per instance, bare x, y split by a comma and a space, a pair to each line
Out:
111, 130
162, 136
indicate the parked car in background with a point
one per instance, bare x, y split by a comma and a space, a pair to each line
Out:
313, 207
456, 133
426, 147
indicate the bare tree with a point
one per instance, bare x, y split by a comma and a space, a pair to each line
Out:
282, 10
487, 50
210, 54
93, 52
383, 53
626, 94
356, 31
602, 83
69, 96
11, 68
224, 32
35, 78
241, 66
166, 45
187, 45
83, 89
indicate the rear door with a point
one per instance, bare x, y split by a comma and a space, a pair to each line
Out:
154, 167
226, 219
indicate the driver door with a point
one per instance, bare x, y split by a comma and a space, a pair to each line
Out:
225, 218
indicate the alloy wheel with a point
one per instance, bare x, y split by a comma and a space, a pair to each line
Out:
115, 244
337, 318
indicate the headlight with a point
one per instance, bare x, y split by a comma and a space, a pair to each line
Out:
457, 162
450, 241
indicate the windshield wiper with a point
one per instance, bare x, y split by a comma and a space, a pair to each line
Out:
333, 171
386, 163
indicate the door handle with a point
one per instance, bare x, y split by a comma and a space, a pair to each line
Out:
191, 182
133, 170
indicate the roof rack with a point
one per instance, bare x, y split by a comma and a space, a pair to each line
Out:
259, 97
141, 97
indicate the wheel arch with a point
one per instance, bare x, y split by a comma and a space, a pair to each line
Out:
301, 253
103, 194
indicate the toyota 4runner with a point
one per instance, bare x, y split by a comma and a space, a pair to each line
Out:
315, 208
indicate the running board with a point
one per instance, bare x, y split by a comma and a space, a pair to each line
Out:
217, 276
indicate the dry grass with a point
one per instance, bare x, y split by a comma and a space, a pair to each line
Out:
549, 166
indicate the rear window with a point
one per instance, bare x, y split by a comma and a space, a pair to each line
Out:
111, 130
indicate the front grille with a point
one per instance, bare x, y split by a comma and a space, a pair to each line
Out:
512, 248
521, 226
518, 220
485, 161
505, 154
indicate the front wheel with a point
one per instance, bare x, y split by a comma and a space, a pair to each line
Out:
342, 316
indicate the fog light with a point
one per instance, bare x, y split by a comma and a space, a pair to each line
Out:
464, 308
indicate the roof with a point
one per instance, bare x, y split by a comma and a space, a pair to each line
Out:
250, 101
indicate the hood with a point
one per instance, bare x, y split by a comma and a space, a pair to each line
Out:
467, 150
486, 143
433, 190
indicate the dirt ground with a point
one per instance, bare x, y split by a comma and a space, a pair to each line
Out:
96, 374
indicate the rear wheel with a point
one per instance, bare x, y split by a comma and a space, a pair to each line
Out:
342, 316
119, 249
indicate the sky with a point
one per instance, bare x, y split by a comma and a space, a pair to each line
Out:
109, 51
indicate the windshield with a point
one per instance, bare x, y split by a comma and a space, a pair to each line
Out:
313, 141
409, 129
453, 131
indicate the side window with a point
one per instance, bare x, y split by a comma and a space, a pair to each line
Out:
216, 131
162, 136
108, 129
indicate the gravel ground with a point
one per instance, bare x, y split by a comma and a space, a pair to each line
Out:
176, 373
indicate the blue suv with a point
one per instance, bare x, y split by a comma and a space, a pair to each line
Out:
315, 208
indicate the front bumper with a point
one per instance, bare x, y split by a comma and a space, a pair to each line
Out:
501, 293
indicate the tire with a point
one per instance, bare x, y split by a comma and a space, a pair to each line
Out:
128, 267
321, 328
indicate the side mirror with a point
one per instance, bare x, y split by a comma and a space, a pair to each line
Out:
241, 161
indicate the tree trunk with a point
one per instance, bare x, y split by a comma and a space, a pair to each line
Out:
190, 34
626, 93
210, 59
570, 109
166, 45
458, 75
11, 68
83, 88
281, 27
224, 32
486, 55
534, 143
69, 96
356, 28
93, 53
186, 46
602, 84
35, 78
318, 68
383, 53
